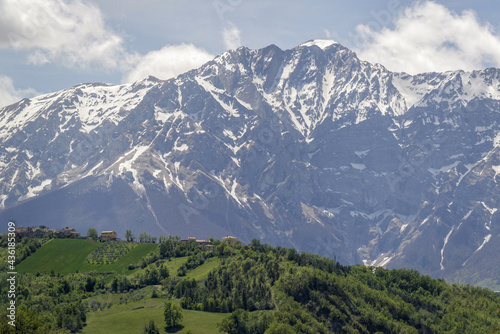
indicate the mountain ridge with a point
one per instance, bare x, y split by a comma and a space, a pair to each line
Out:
309, 147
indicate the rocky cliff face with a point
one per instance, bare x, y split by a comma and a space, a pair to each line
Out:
309, 147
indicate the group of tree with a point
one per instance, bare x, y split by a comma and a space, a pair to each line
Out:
150, 276
108, 252
172, 313
317, 295
24, 247
143, 237
278, 290
48, 303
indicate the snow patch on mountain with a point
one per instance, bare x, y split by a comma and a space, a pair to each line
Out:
485, 241
322, 43
496, 141
412, 88
445, 241
480, 84
35, 190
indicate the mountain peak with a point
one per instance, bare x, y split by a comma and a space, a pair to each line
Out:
321, 43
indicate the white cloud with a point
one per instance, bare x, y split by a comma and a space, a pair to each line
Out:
72, 33
231, 36
429, 37
9, 94
168, 62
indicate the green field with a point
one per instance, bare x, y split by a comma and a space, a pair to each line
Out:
202, 271
174, 264
131, 318
66, 256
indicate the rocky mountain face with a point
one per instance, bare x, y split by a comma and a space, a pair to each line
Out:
310, 147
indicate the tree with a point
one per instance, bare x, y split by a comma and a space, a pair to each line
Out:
129, 236
255, 244
163, 249
64, 288
164, 272
235, 323
150, 328
90, 284
72, 317
173, 315
92, 233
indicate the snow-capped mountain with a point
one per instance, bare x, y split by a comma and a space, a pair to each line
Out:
309, 147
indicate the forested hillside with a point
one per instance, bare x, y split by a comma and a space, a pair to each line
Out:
230, 288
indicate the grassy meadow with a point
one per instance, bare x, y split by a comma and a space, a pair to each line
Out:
66, 256
131, 318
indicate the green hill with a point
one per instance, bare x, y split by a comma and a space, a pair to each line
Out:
232, 288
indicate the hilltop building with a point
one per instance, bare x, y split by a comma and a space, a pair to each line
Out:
108, 235
204, 243
229, 239
42, 231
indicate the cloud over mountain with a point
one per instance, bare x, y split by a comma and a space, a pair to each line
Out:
429, 37
10, 94
71, 33
168, 62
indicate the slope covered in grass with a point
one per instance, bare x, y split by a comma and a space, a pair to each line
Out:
131, 318
66, 256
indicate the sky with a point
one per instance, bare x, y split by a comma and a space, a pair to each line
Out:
49, 45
